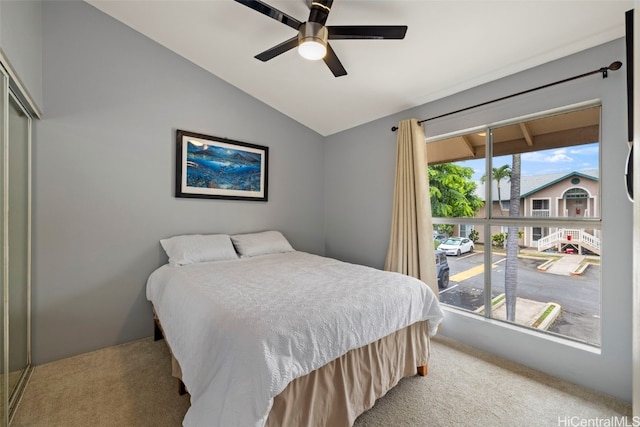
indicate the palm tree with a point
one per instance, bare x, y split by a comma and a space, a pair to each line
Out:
498, 174
511, 266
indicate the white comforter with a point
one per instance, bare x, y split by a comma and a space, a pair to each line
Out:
243, 329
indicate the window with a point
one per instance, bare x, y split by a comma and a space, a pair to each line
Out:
541, 226
538, 233
465, 230
541, 204
576, 193
540, 207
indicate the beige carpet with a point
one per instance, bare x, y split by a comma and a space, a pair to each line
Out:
131, 385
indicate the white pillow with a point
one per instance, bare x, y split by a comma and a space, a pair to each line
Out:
267, 242
193, 248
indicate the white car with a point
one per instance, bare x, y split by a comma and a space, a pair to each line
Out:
456, 246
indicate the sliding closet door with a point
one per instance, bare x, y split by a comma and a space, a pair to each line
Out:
4, 366
19, 242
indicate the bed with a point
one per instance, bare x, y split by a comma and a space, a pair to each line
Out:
263, 335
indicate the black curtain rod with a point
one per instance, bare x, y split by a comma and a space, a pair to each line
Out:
604, 70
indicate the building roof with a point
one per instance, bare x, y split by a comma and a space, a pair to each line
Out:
533, 183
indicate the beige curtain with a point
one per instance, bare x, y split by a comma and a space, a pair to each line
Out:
411, 249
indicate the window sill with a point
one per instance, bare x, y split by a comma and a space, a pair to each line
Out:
547, 336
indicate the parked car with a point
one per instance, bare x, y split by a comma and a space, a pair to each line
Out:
442, 269
456, 246
439, 237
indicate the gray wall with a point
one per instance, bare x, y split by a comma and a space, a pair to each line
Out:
358, 197
21, 43
104, 172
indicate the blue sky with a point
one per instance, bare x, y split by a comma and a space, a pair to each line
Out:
557, 160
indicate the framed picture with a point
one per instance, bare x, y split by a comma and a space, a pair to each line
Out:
218, 168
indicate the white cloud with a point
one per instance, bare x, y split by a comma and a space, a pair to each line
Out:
585, 150
558, 156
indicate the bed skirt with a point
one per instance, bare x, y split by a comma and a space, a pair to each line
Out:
337, 393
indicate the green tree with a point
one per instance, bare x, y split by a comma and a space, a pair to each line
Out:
446, 229
511, 264
498, 174
452, 191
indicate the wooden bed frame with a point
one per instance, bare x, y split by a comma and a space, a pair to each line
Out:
341, 413
158, 334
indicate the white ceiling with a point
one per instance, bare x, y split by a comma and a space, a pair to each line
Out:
450, 46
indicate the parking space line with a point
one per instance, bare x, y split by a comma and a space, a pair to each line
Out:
448, 289
467, 274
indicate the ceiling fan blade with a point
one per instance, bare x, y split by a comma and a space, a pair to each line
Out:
271, 12
277, 50
334, 64
363, 32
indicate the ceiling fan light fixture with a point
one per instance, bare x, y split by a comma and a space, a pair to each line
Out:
312, 41
312, 50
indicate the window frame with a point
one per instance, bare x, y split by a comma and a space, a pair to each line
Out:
526, 223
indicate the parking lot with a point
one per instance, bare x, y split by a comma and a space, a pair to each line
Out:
579, 296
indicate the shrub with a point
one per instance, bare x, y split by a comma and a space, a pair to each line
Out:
498, 240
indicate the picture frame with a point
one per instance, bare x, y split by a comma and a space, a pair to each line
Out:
210, 167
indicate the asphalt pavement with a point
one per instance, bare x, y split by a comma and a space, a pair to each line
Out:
578, 295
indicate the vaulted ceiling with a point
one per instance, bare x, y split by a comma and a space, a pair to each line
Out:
450, 46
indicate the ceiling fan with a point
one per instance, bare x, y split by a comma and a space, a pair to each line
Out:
313, 35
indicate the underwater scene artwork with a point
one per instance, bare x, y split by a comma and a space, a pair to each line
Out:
224, 168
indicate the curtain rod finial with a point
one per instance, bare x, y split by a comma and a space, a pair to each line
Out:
615, 65
394, 128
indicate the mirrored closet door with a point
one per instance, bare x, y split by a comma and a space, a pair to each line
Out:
15, 125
